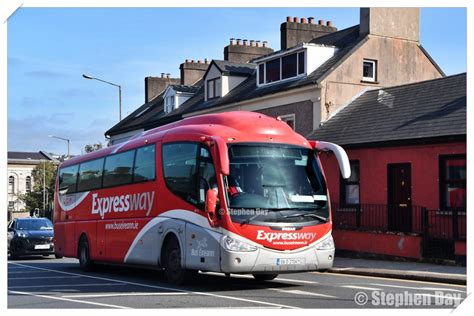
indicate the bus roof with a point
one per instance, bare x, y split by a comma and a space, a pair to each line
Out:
233, 127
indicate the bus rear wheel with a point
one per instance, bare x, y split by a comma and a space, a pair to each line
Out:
175, 273
85, 261
264, 277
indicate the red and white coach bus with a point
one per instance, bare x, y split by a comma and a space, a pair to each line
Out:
236, 192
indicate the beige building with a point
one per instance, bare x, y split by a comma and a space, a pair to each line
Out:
20, 179
317, 71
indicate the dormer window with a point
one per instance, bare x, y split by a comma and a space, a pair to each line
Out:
214, 88
282, 68
169, 103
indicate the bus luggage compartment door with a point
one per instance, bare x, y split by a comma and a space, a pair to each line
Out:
202, 248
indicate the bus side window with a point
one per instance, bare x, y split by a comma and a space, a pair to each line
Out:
118, 169
144, 164
90, 175
67, 179
207, 175
180, 169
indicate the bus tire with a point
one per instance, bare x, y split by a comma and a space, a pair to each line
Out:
175, 273
85, 261
264, 277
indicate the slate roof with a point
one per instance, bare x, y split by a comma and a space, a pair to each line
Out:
428, 109
22, 155
185, 89
235, 69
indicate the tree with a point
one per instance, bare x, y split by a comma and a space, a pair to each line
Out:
44, 176
93, 147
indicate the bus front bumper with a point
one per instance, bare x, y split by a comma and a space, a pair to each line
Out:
265, 260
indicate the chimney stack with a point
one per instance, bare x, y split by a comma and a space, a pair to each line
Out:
156, 85
294, 31
245, 53
192, 71
402, 23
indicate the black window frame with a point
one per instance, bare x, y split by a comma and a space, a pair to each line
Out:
267, 70
28, 186
346, 182
301, 63
261, 73
443, 182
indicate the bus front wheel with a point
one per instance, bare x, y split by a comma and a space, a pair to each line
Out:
264, 277
175, 273
85, 261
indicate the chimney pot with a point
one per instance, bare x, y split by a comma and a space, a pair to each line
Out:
265, 43
303, 20
252, 43
187, 60
257, 43
329, 23
232, 41
192, 61
311, 20
206, 61
295, 19
321, 22
199, 61
246, 42
288, 19
168, 76
162, 75
239, 41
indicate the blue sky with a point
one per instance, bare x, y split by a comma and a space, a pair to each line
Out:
49, 50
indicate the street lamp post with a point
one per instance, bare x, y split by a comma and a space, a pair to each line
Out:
113, 84
68, 142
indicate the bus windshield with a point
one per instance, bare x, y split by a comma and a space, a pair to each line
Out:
275, 183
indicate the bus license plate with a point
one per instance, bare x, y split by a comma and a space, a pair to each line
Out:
290, 261
41, 246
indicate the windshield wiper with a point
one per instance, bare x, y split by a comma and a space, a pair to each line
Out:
318, 217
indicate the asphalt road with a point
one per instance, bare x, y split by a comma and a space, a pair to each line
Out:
59, 283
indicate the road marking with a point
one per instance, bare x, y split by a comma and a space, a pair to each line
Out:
63, 285
69, 300
418, 288
124, 294
361, 287
383, 278
19, 272
299, 292
244, 276
48, 277
164, 288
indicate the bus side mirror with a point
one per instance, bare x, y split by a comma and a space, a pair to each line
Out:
340, 154
221, 154
211, 202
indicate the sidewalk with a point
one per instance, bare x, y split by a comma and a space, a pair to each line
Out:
400, 270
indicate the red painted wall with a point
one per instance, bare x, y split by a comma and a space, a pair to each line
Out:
378, 243
424, 160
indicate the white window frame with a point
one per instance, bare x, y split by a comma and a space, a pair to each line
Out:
289, 117
374, 64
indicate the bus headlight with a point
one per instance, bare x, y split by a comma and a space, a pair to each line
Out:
232, 244
326, 244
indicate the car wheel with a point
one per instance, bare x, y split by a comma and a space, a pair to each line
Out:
264, 277
85, 262
174, 272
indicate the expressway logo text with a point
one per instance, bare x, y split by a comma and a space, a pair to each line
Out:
122, 203
279, 236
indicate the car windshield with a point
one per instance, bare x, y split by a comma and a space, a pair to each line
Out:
34, 224
275, 183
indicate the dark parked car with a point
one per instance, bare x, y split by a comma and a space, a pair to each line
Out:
30, 236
